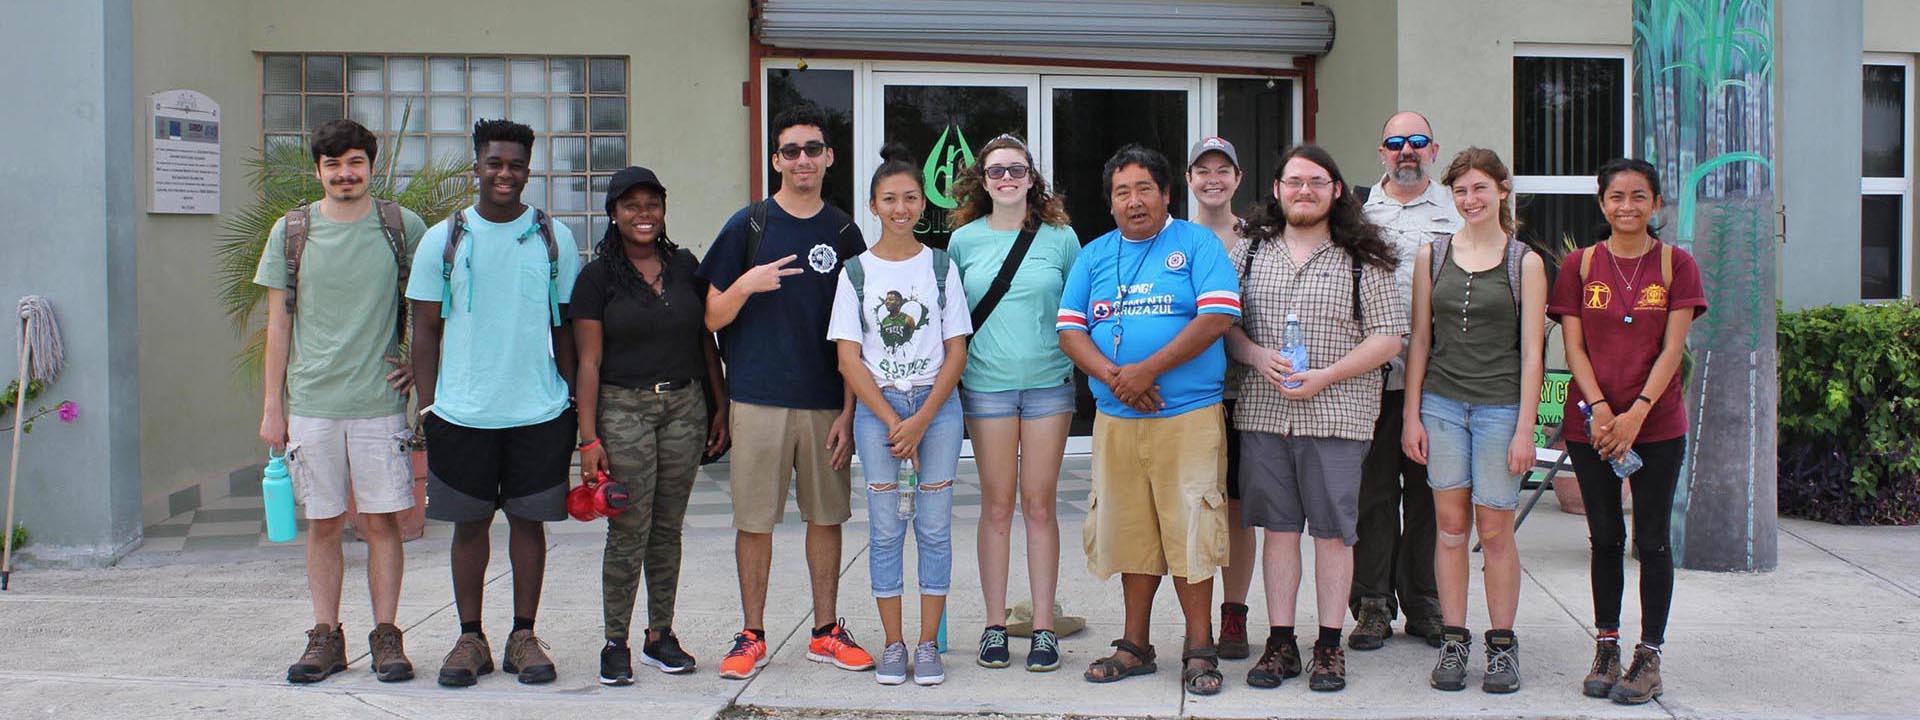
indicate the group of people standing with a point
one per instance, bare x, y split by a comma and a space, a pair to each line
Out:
1317, 367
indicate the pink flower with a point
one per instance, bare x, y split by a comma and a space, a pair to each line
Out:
69, 411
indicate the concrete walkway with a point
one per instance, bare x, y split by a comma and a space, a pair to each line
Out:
1834, 633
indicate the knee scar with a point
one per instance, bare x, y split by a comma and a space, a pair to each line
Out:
1453, 540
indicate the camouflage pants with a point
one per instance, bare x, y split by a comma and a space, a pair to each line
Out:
653, 442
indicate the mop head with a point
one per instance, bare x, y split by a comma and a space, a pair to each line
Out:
44, 356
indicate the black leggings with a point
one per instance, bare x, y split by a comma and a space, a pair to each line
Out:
1653, 489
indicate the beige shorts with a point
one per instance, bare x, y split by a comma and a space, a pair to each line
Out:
1158, 505
328, 458
773, 444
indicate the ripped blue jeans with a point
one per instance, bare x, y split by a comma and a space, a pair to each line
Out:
933, 503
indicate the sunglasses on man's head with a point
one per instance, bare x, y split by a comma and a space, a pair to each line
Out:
792, 152
995, 172
1396, 142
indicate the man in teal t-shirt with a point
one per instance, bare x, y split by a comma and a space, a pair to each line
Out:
495, 362
336, 388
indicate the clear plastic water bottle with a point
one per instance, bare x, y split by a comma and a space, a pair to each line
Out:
906, 484
276, 491
1625, 465
1293, 346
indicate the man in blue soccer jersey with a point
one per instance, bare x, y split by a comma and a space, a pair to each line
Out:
1142, 315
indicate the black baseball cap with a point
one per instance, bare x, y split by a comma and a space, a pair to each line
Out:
625, 180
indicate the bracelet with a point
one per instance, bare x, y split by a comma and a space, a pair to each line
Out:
590, 444
1598, 403
1638, 398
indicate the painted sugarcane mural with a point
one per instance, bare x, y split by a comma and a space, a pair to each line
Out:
1703, 72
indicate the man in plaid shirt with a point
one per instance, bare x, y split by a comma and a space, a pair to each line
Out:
1312, 255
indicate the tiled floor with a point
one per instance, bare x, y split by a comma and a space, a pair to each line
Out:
237, 522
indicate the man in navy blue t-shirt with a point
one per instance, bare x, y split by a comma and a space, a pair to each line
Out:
791, 416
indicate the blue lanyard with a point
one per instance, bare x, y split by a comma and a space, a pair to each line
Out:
1120, 293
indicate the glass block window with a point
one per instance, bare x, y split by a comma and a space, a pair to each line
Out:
424, 106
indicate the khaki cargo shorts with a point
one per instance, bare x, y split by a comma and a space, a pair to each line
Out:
773, 444
1158, 505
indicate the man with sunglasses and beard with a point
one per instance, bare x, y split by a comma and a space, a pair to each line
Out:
771, 276
1393, 561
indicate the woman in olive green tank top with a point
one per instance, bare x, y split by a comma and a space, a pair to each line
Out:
1474, 365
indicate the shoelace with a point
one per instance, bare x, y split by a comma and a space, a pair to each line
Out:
742, 644
840, 634
1502, 660
1640, 664
387, 643
1323, 659
316, 643
925, 653
1606, 656
895, 654
465, 643
1233, 625
1043, 642
991, 639
1453, 655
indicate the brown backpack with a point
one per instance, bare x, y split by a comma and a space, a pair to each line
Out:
392, 225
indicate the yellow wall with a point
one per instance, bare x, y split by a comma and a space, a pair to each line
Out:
1356, 85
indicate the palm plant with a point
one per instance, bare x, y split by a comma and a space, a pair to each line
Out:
283, 177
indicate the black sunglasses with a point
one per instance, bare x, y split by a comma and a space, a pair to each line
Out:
792, 152
995, 172
1394, 143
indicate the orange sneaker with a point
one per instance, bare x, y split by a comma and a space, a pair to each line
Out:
748, 655
838, 647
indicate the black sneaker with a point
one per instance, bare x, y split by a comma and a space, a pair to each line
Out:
1044, 654
666, 654
616, 664
993, 647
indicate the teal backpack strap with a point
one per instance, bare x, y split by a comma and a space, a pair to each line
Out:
941, 263
857, 277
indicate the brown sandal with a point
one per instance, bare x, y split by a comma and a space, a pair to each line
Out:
1113, 669
1209, 668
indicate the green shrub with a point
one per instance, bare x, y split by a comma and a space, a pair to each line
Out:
1850, 414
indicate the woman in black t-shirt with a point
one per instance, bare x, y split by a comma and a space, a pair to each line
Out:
646, 359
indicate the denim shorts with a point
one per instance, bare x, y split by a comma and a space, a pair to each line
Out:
932, 521
1028, 404
1467, 448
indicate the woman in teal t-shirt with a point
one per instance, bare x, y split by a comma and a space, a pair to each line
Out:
1017, 390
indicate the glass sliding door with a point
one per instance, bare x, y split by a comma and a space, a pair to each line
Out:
942, 119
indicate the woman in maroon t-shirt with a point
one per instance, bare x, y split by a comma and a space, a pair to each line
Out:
1626, 305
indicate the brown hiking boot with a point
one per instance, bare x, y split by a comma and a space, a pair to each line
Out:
527, 656
1374, 624
325, 655
390, 663
1280, 660
1605, 672
1233, 632
1329, 669
1642, 679
467, 661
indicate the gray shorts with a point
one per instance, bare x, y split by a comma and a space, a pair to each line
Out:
1290, 482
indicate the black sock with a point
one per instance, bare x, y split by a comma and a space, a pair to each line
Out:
471, 627
1329, 637
520, 623
758, 634
1456, 631
824, 629
616, 642
1279, 634
1001, 628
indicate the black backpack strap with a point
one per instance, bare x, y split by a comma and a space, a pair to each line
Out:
1359, 315
756, 230
293, 245
456, 227
544, 223
1003, 281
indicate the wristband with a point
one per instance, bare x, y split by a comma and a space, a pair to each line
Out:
1598, 403
590, 444
1638, 398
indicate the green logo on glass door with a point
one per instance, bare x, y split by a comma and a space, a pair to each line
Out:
944, 165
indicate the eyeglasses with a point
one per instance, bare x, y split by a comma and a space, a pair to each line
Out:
995, 172
1395, 142
792, 152
1298, 184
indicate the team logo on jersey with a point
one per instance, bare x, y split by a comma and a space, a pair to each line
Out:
1652, 297
1597, 296
823, 258
1102, 310
1176, 260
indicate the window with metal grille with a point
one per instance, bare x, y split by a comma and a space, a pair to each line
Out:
424, 106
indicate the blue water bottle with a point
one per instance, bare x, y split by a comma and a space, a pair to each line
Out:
1293, 346
1625, 465
276, 489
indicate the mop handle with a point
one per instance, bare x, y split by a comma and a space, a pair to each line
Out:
13, 461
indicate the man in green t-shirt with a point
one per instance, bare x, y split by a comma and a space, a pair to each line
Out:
336, 387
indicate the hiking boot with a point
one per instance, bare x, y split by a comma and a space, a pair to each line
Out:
527, 656
1641, 682
616, 663
837, 647
325, 655
1450, 673
1329, 669
748, 655
666, 654
927, 669
993, 648
1605, 672
1280, 660
467, 661
1233, 632
1374, 625
1428, 630
1043, 655
390, 663
1503, 663
893, 665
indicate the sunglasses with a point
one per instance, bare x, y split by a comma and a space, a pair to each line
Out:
792, 152
995, 172
1396, 142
